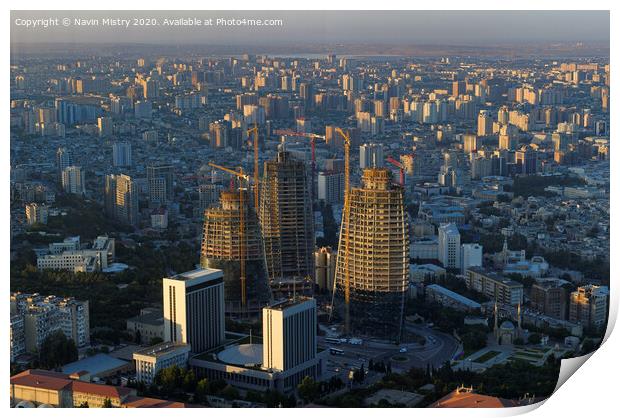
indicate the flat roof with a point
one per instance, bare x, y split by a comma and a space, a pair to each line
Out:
196, 274
99, 363
161, 349
453, 295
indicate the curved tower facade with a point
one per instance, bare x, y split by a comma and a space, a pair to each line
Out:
221, 249
373, 257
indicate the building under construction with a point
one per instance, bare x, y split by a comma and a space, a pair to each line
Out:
221, 249
372, 268
287, 223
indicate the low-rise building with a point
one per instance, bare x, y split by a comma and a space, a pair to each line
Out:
448, 298
152, 359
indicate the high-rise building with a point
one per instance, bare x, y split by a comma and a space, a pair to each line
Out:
471, 143
36, 213
485, 123
221, 249
289, 334
371, 155
549, 297
287, 221
449, 246
194, 309
63, 160
73, 180
471, 256
160, 184
325, 268
121, 198
372, 268
526, 160
121, 154
588, 305
105, 126
331, 186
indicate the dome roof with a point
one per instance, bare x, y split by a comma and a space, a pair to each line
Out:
242, 355
507, 325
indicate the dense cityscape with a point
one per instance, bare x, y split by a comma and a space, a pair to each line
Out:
305, 230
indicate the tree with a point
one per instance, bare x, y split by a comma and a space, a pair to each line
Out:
201, 391
308, 389
84, 405
107, 403
57, 350
230, 393
534, 338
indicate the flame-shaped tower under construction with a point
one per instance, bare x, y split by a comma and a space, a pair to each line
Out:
221, 249
372, 268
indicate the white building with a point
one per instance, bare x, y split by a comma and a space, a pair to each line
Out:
151, 360
194, 309
449, 248
289, 334
471, 256
68, 255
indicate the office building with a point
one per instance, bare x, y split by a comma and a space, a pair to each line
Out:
589, 306
121, 199
289, 334
194, 309
68, 255
372, 269
449, 247
121, 154
149, 361
73, 180
471, 256
287, 222
222, 248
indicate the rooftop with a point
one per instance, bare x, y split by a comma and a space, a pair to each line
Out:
99, 363
242, 354
162, 349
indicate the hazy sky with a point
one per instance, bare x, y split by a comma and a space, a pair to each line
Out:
411, 27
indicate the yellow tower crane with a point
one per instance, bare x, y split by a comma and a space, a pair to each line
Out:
240, 174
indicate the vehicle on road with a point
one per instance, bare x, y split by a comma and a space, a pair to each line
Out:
336, 351
332, 340
403, 350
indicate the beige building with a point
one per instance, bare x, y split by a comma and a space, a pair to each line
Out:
194, 309
152, 359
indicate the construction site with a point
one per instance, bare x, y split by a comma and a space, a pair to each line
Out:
372, 267
231, 233
287, 224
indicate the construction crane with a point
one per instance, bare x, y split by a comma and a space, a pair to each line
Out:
255, 131
345, 221
313, 137
401, 169
240, 174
